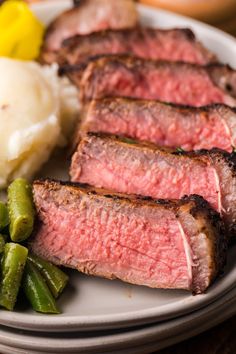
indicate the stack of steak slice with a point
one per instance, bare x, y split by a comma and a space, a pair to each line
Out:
158, 243
164, 124
178, 241
175, 82
126, 166
150, 43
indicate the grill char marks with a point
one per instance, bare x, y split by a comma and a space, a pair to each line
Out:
150, 43
86, 236
190, 128
128, 166
175, 82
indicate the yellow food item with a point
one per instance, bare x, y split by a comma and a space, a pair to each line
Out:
21, 33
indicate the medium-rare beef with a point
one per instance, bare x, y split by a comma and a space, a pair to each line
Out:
164, 124
157, 243
127, 166
176, 82
150, 43
88, 16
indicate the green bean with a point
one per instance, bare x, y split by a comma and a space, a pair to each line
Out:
13, 263
21, 210
4, 219
37, 291
5, 237
56, 279
2, 244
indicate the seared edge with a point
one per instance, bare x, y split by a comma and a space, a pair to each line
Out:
118, 105
225, 165
207, 222
101, 60
187, 33
48, 55
223, 76
211, 228
83, 75
71, 44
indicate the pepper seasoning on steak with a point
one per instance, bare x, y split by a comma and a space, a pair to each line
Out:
171, 125
178, 44
128, 166
176, 82
176, 244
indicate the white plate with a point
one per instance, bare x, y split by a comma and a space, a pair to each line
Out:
91, 303
135, 341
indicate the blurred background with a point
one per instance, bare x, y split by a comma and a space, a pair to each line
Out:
219, 13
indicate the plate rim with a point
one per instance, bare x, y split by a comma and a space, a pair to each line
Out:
74, 323
167, 333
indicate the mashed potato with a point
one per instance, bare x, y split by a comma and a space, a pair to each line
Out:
37, 111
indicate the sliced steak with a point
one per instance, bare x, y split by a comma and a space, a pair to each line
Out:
176, 82
88, 16
150, 43
164, 124
126, 166
161, 244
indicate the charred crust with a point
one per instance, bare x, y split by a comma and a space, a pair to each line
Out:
182, 107
72, 41
78, 3
219, 154
200, 204
229, 158
189, 34
52, 184
229, 87
202, 207
67, 69
212, 225
127, 59
78, 68
220, 66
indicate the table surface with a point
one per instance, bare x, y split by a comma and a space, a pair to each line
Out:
218, 340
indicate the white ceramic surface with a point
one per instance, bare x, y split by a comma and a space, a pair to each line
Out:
90, 303
135, 341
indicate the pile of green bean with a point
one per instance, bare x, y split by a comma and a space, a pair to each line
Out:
41, 281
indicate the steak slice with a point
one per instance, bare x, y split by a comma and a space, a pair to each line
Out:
158, 243
126, 166
88, 16
150, 43
175, 82
164, 124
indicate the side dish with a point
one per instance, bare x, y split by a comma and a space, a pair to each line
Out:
41, 281
34, 117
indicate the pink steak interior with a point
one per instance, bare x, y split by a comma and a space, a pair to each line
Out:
122, 168
161, 125
140, 245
